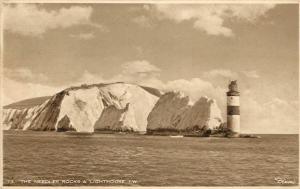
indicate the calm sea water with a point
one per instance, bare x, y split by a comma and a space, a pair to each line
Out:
50, 158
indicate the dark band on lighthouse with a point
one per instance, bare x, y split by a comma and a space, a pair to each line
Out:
233, 110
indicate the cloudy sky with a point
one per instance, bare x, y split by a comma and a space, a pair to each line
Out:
193, 48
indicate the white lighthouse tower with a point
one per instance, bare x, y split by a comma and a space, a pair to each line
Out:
233, 109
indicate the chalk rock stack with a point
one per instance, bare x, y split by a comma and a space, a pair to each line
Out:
176, 112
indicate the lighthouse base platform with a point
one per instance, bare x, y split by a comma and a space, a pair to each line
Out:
238, 135
233, 135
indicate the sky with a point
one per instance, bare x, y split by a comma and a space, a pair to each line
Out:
194, 48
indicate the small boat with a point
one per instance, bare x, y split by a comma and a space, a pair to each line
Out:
177, 136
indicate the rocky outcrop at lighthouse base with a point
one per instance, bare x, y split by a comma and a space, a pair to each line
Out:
114, 107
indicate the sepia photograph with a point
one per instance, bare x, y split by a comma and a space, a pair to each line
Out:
150, 93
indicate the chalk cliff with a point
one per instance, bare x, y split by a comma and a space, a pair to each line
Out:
176, 112
115, 106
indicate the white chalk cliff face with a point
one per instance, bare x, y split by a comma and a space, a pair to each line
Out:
175, 111
168, 111
116, 106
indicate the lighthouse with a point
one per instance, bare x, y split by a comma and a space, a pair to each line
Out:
233, 109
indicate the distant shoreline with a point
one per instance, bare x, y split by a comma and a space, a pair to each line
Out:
6, 132
113, 132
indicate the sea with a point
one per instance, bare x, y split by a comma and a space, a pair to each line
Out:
33, 158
